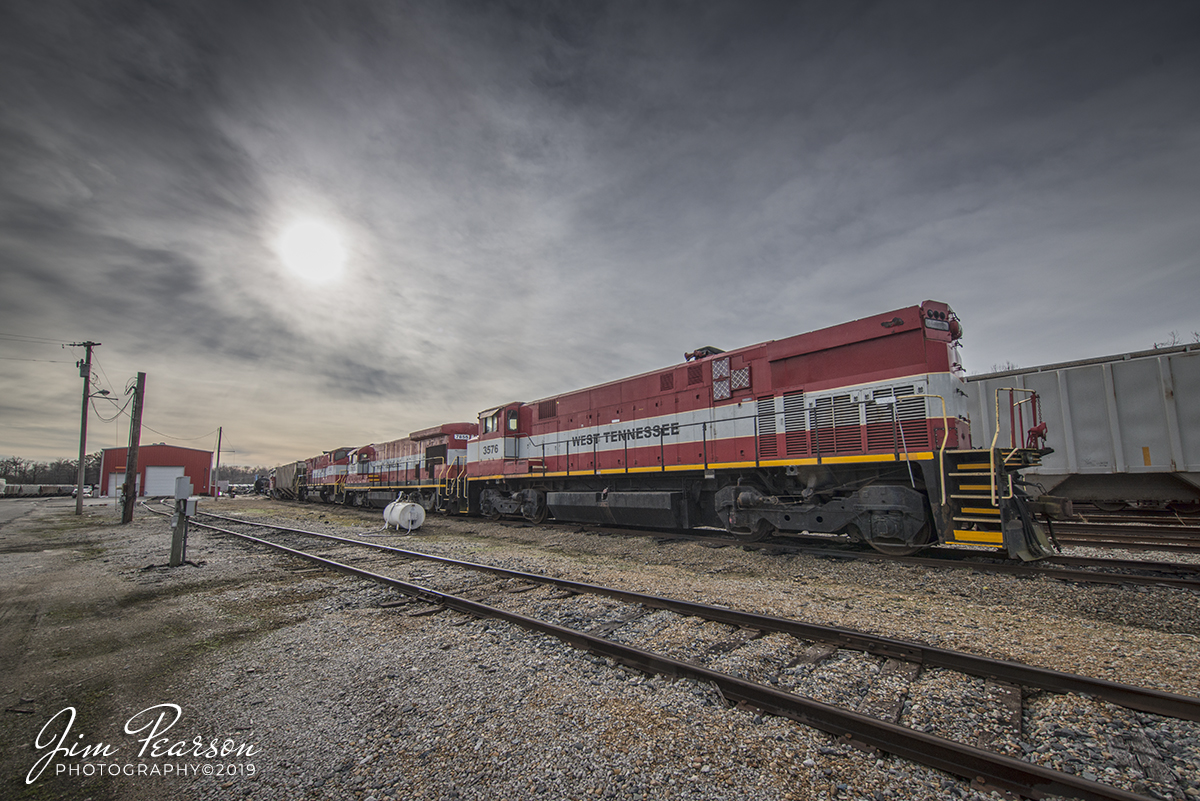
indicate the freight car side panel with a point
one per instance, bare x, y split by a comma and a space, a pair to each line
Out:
1123, 428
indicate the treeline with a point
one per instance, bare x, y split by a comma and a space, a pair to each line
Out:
16, 470
242, 474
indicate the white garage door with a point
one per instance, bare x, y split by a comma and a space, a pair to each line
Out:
115, 480
160, 481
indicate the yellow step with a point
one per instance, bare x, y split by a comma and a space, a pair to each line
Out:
993, 539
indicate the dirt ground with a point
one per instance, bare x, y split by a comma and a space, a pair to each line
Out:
255, 649
92, 619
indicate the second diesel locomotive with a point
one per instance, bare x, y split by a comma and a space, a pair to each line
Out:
859, 429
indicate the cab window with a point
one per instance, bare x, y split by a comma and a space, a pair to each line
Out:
491, 423
512, 419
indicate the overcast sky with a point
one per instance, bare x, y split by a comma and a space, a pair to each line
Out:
528, 198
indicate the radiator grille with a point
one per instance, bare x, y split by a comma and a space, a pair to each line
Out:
847, 422
720, 368
695, 374
721, 389
795, 434
666, 382
768, 445
885, 423
822, 425
548, 409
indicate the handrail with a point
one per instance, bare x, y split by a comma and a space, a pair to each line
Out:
996, 436
945, 434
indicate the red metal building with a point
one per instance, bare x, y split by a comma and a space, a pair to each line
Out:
158, 467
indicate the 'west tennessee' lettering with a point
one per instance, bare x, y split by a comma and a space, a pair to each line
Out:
627, 434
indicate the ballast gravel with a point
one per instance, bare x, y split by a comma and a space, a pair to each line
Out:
342, 693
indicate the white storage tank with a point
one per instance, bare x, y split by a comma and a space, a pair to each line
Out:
403, 515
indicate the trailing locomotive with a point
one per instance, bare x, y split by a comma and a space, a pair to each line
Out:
860, 429
416, 468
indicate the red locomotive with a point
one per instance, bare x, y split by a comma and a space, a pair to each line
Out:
418, 468
859, 429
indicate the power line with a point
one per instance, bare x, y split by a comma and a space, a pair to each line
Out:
50, 361
115, 416
181, 439
36, 340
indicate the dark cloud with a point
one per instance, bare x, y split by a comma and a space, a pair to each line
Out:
540, 196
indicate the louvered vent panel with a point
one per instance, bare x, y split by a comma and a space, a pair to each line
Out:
695, 374
880, 428
795, 434
721, 390
822, 424
847, 423
666, 382
548, 409
768, 445
912, 419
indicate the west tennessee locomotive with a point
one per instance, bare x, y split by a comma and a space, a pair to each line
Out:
860, 429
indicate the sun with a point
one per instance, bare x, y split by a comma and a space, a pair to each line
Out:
313, 250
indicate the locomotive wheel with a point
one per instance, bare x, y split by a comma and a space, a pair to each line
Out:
1109, 506
1184, 508
540, 516
900, 547
762, 529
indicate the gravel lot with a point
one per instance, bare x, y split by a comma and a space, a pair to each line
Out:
338, 697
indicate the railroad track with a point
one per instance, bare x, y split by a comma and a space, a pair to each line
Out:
1088, 570
768, 663
1132, 536
1180, 575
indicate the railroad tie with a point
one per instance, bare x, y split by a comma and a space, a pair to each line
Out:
1008, 702
885, 697
814, 654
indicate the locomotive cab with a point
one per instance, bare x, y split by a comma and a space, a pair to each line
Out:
495, 456
499, 430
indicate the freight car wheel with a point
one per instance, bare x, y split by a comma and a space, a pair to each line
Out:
1183, 508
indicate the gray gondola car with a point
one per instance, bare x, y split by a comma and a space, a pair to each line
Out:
287, 482
1125, 429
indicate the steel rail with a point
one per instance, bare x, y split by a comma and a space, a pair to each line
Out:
1184, 533
982, 768
1016, 569
1157, 702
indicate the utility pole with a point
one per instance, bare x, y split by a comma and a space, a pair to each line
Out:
85, 370
217, 470
129, 493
